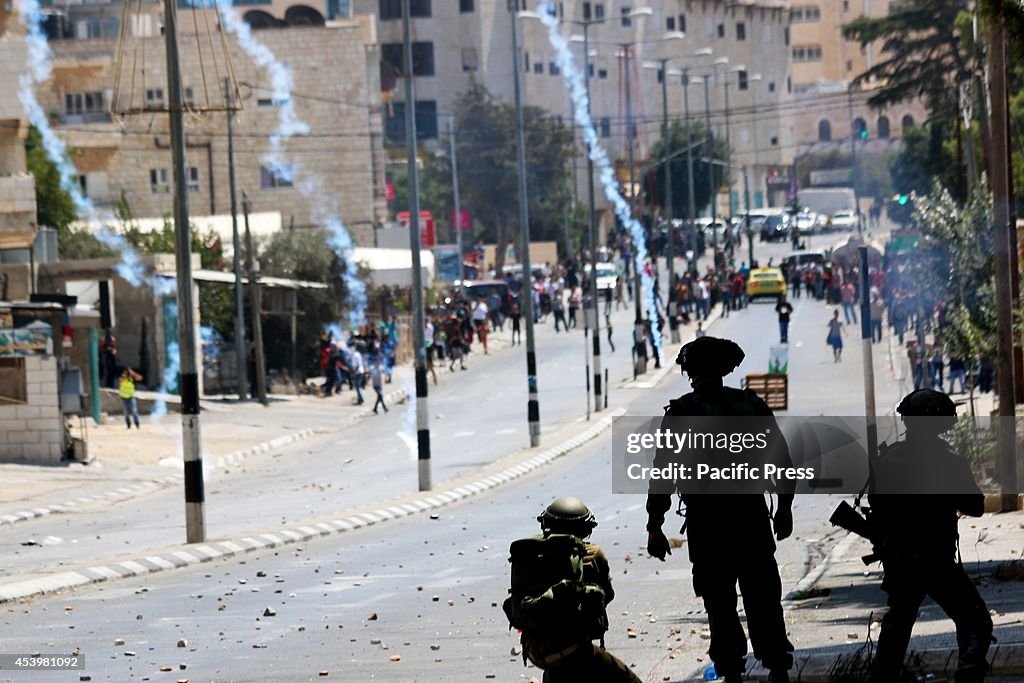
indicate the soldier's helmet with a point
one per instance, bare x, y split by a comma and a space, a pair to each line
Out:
710, 355
926, 403
927, 411
567, 515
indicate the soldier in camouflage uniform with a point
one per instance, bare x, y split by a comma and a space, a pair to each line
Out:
919, 538
729, 536
565, 657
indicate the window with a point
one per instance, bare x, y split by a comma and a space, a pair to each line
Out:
627, 20
846, 5
270, 102
721, 31
422, 58
807, 53
426, 121
741, 31
538, 67
789, 85
785, 36
590, 69
526, 61
849, 65
586, 11
682, 23
158, 183
907, 122
278, 175
606, 127
81, 104
469, 60
553, 68
771, 86
824, 130
775, 141
670, 23
193, 179
883, 127
13, 381
602, 74
466, 6
154, 97
661, 76
598, 11
741, 78
390, 9
83, 185
805, 14
190, 99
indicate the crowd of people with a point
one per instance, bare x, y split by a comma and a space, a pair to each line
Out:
367, 356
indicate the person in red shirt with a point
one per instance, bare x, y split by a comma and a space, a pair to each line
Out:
849, 298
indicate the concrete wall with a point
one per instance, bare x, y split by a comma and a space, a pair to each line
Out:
34, 432
332, 95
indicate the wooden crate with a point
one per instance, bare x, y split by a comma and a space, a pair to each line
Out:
773, 388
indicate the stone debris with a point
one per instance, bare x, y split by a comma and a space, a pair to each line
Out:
435, 647
372, 617
118, 641
182, 642
270, 612
260, 574
395, 658
322, 673
165, 668
129, 653
631, 632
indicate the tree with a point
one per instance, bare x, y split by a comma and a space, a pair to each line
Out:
486, 147
923, 160
303, 255
922, 53
54, 207
705, 148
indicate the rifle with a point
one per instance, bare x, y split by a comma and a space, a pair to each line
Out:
846, 517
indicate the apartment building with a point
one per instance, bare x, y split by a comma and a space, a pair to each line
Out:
824, 65
334, 65
458, 40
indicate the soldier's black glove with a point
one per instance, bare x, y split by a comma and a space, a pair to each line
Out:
783, 523
658, 545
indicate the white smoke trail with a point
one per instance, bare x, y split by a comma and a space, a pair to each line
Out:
326, 208
578, 92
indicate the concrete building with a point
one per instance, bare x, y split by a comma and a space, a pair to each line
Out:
824, 65
454, 42
335, 75
17, 187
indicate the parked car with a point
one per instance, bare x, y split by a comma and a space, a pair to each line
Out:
809, 223
844, 221
607, 274
804, 259
775, 228
765, 282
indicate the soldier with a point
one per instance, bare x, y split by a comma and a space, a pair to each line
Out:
730, 536
919, 540
568, 656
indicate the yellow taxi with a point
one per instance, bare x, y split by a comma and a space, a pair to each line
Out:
765, 282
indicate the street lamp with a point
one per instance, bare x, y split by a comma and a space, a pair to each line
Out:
662, 66
728, 138
756, 78
532, 404
585, 24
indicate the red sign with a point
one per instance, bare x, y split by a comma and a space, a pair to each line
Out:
389, 191
428, 236
466, 223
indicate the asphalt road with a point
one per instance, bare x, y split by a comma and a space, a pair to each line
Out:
426, 590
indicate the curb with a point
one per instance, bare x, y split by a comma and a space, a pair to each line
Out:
1004, 661
189, 555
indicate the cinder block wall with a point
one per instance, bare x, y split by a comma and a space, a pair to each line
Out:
34, 432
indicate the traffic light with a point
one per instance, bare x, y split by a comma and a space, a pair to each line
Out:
902, 200
863, 133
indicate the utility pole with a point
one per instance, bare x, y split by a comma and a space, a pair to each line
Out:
236, 244
592, 231
853, 159
1006, 434
866, 342
711, 174
670, 249
638, 322
746, 220
728, 158
457, 222
422, 416
532, 404
691, 201
255, 305
192, 449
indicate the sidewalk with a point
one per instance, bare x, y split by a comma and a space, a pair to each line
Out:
846, 604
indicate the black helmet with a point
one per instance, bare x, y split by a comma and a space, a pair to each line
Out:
926, 403
711, 355
568, 514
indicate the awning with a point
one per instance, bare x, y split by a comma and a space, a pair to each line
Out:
229, 279
261, 225
393, 267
